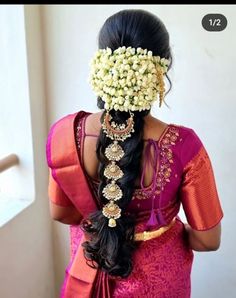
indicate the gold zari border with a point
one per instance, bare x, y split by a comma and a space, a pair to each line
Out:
147, 235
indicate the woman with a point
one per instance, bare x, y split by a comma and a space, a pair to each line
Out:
119, 176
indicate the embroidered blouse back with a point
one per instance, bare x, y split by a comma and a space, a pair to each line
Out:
146, 199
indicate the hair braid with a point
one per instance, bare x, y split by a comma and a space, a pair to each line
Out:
112, 248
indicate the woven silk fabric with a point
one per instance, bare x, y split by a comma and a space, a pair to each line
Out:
161, 266
199, 194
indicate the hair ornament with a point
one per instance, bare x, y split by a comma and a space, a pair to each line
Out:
114, 153
119, 132
128, 78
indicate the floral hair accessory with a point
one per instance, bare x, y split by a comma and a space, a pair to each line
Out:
128, 79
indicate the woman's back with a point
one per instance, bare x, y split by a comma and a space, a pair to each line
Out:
182, 158
153, 129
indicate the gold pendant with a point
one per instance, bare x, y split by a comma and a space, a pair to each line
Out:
111, 210
114, 151
113, 171
112, 191
116, 131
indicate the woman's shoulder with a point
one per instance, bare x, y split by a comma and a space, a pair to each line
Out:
190, 142
64, 125
68, 118
187, 134
60, 136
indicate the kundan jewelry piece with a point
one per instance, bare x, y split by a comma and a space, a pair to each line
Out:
112, 171
118, 132
114, 153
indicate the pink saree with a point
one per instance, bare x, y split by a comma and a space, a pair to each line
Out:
184, 175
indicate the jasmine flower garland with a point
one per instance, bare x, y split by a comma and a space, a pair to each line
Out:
128, 78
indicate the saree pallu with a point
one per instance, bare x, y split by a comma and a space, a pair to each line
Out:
162, 265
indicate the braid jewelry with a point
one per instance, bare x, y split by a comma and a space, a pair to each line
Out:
114, 153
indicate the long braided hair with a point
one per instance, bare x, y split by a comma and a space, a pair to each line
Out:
112, 248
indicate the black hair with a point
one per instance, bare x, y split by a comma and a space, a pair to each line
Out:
112, 248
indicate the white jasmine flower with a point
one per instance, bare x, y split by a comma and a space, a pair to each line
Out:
127, 78
132, 51
116, 107
139, 83
126, 103
121, 100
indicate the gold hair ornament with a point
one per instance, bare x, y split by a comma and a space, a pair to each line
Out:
114, 153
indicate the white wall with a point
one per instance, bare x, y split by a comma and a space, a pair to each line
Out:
14, 85
202, 98
25, 242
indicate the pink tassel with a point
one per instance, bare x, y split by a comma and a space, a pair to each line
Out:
152, 221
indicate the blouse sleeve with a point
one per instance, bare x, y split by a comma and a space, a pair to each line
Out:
56, 194
198, 191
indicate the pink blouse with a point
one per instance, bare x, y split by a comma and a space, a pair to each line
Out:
182, 174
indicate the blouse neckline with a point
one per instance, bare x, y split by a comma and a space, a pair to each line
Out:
157, 169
